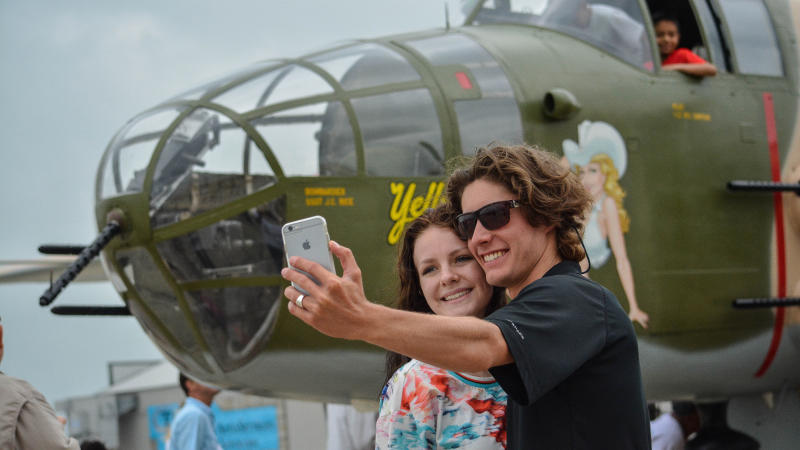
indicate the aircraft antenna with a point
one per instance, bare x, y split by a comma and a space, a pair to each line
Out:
112, 228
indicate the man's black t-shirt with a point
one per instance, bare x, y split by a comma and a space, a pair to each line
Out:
575, 382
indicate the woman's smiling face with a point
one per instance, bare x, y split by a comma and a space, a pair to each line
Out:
452, 282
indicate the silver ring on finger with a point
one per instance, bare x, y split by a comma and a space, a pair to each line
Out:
299, 301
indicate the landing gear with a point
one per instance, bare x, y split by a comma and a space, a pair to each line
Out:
715, 434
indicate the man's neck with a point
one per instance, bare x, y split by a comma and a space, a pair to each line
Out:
206, 400
550, 257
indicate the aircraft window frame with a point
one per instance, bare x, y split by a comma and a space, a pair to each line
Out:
306, 115
712, 34
206, 152
741, 48
362, 53
291, 79
503, 121
212, 86
374, 111
446, 50
244, 245
152, 287
128, 156
497, 94
254, 321
254, 91
636, 51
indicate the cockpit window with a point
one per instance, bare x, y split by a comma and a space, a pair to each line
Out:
125, 161
615, 26
196, 93
366, 65
753, 37
492, 117
279, 85
300, 139
716, 52
207, 162
401, 134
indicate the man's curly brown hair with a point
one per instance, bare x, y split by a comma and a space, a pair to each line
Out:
550, 193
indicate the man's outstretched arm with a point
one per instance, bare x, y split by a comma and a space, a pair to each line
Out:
339, 308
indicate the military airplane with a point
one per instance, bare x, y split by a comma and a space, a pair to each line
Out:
703, 173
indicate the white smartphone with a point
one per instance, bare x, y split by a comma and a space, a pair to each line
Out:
308, 238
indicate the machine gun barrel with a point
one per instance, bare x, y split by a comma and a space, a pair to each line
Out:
111, 229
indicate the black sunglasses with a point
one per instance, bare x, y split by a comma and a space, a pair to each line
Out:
492, 216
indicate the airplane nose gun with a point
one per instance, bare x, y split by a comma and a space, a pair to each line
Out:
112, 228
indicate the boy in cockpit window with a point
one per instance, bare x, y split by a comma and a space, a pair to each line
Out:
668, 37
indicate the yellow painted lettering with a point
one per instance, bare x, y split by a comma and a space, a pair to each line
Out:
417, 207
400, 207
325, 192
401, 202
406, 207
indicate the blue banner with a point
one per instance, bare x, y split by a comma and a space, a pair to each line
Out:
237, 429
159, 417
245, 429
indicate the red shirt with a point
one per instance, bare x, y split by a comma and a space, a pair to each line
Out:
683, 56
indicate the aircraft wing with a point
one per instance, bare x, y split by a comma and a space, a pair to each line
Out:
46, 269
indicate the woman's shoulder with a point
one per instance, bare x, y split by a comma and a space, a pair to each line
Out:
418, 374
414, 384
428, 375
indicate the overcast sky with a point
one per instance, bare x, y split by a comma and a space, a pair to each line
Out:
71, 74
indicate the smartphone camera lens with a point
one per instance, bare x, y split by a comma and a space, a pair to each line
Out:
291, 227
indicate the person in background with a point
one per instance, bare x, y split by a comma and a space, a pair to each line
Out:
27, 421
93, 445
668, 37
669, 431
652, 412
193, 425
604, 25
423, 406
349, 428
